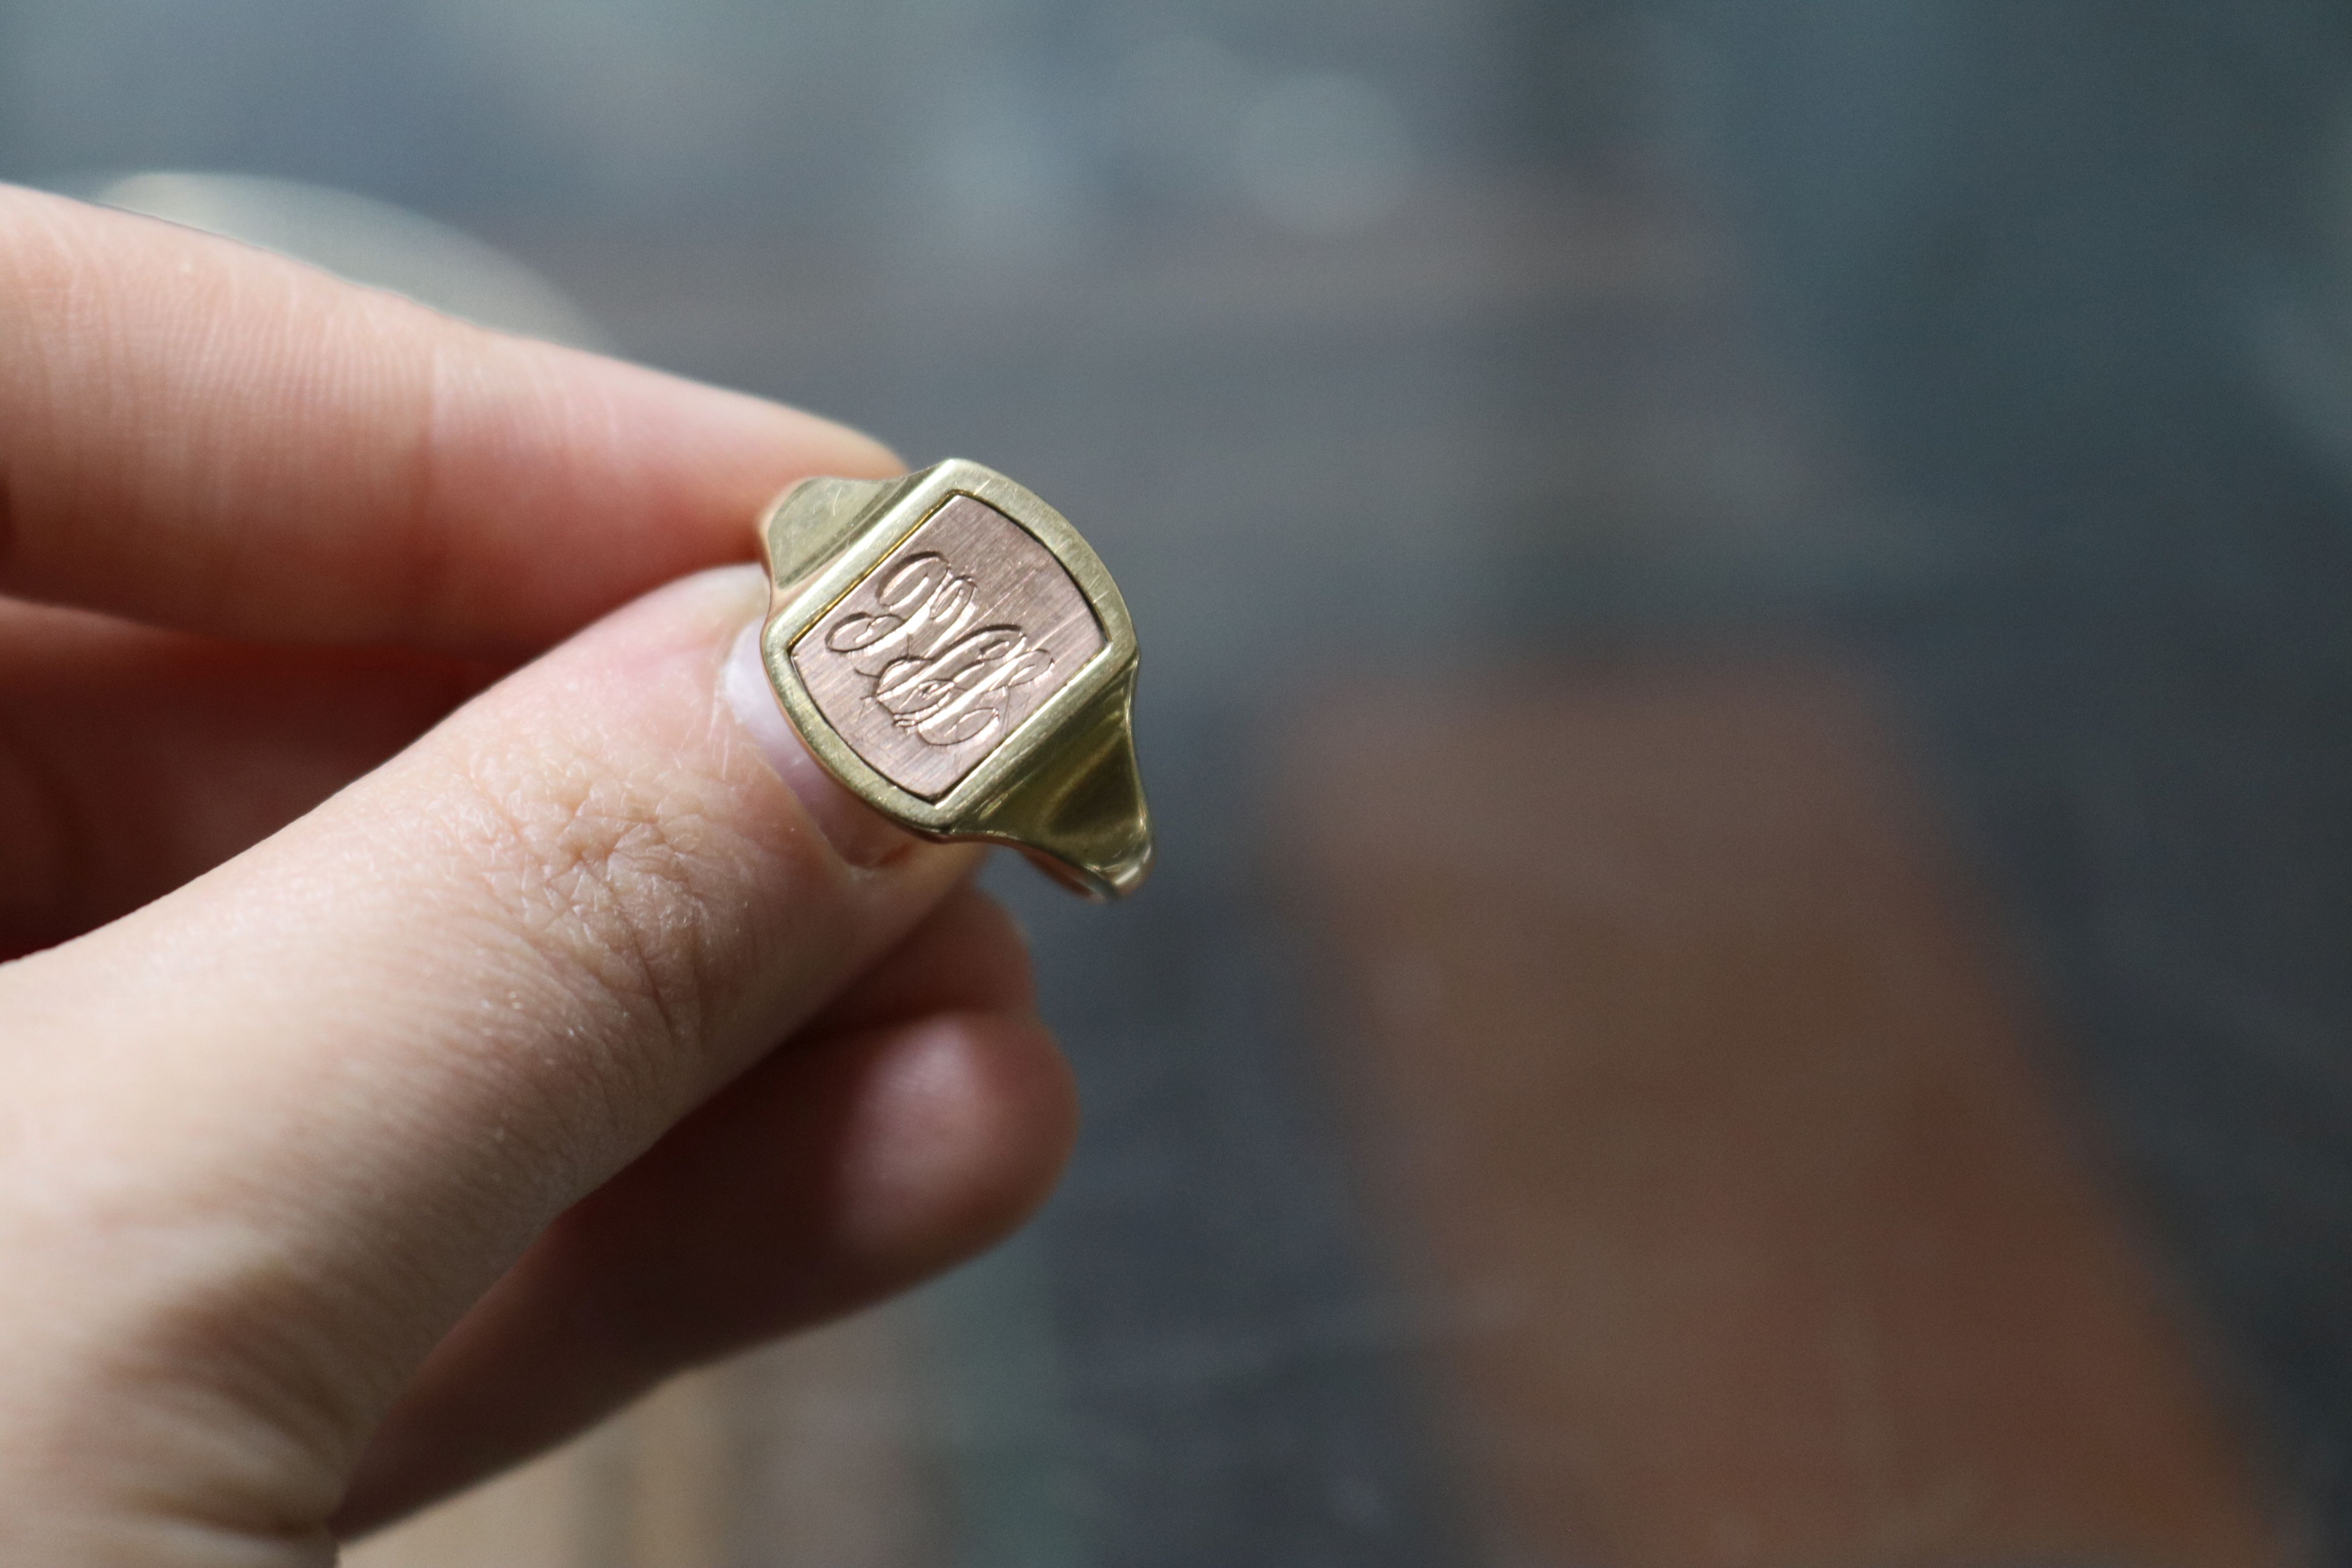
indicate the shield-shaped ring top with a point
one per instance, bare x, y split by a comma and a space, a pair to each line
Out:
956, 655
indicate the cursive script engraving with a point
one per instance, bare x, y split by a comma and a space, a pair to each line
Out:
937, 676
955, 638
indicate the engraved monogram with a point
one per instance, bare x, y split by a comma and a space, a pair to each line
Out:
947, 648
941, 678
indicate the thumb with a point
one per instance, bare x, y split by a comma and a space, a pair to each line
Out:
276, 1131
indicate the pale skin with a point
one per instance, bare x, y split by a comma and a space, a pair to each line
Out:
447, 1009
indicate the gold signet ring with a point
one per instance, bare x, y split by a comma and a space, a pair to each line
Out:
955, 654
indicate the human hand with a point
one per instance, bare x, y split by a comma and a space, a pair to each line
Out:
406, 1091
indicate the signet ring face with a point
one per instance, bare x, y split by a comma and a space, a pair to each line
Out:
952, 652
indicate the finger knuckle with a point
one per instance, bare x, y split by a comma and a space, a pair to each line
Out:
619, 884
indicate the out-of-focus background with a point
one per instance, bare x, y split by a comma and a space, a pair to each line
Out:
1748, 683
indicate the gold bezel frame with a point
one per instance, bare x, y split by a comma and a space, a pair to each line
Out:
1062, 786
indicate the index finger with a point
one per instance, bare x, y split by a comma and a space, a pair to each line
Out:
202, 434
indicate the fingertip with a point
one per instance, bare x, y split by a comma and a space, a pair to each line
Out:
967, 956
353, 467
964, 1124
838, 1172
743, 448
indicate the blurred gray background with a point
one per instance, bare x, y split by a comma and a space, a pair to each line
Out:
2006, 349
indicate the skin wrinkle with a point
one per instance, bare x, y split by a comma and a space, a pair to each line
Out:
33, 225
247, 1318
642, 857
430, 592
299, 1398
219, 1294
237, 293
188, 474
215, 1547
561, 934
36, 235
610, 886
217, 1380
429, 544
58, 281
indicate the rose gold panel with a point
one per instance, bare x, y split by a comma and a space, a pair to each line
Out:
961, 633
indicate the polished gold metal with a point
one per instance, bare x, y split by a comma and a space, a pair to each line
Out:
956, 655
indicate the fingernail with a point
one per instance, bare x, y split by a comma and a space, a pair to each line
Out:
857, 833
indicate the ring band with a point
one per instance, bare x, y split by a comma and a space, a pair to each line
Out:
956, 656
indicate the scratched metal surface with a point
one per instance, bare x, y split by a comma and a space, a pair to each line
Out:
953, 639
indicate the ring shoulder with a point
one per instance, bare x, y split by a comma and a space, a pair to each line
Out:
810, 522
